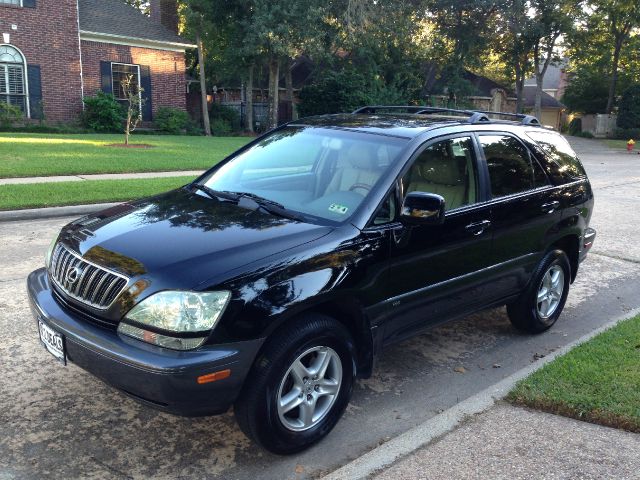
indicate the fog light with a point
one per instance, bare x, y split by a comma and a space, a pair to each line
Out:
165, 341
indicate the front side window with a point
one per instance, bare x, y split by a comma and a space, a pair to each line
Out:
319, 172
120, 75
511, 168
445, 168
12, 78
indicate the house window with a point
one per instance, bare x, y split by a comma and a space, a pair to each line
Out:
17, 3
119, 74
13, 83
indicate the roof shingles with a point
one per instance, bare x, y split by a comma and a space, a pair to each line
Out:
114, 17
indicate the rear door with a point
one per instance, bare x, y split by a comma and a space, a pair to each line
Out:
525, 210
436, 272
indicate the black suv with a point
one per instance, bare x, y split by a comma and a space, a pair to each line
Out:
273, 280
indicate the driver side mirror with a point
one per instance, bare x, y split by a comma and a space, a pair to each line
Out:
420, 208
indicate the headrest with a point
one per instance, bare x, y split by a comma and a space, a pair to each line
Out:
438, 169
360, 156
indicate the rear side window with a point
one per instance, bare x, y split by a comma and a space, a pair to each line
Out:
562, 160
511, 168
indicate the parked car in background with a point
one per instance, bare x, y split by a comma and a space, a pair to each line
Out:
274, 280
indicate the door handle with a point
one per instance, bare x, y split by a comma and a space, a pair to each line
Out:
478, 228
550, 207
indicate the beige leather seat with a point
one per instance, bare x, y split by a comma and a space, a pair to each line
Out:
434, 173
356, 165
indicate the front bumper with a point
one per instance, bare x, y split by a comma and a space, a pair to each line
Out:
165, 379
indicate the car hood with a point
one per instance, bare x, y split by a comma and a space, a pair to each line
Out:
180, 239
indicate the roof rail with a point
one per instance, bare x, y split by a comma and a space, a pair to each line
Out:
475, 116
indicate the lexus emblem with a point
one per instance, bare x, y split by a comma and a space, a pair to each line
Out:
73, 274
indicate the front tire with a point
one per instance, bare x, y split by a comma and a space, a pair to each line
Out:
539, 307
299, 386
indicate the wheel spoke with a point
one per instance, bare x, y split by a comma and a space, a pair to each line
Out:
320, 364
329, 387
306, 412
299, 372
542, 294
291, 400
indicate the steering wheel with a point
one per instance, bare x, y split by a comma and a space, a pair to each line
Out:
363, 186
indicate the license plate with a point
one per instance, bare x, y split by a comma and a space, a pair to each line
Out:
52, 341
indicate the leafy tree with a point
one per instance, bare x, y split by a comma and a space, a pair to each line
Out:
629, 112
587, 92
142, 5
622, 16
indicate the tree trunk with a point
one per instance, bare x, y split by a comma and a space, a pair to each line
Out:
203, 88
274, 77
249, 101
614, 74
538, 102
288, 79
519, 88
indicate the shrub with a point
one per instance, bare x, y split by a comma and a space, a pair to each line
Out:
9, 115
575, 126
629, 109
103, 113
226, 114
220, 127
584, 134
171, 120
627, 133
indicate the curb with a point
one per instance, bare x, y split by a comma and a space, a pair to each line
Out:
53, 212
421, 435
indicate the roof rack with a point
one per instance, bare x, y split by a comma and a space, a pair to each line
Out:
474, 116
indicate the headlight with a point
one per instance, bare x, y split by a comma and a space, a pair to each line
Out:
184, 318
47, 256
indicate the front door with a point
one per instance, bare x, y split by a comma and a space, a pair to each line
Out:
436, 271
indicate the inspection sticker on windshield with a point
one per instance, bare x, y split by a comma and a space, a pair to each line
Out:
335, 208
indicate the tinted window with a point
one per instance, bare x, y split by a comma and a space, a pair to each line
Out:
564, 162
511, 168
445, 168
316, 171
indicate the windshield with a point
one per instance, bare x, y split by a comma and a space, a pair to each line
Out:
325, 173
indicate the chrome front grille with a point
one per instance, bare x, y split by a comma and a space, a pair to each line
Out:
84, 281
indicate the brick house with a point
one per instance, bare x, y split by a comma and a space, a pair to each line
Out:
55, 52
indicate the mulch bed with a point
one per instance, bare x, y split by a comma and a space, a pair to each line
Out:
131, 145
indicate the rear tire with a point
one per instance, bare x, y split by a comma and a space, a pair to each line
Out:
539, 307
299, 385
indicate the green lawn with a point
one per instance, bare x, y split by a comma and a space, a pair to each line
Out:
30, 155
622, 144
598, 381
13, 197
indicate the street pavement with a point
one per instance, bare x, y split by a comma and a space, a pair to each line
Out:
60, 422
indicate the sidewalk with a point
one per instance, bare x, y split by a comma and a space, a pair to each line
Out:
104, 176
511, 443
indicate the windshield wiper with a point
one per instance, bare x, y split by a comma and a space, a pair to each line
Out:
215, 194
256, 198
270, 206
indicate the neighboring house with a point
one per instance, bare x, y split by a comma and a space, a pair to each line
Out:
552, 109
554, 82
55, 52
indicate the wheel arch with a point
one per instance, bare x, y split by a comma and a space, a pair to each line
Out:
570, 244
349, 312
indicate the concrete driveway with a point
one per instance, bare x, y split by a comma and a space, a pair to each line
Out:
60, 422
